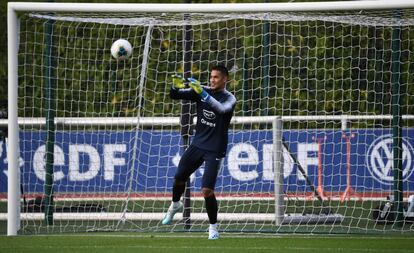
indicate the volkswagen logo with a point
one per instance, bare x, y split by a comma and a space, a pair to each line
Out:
379, 159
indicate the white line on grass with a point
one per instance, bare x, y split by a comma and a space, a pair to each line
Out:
232, 235
346, 249
220, 248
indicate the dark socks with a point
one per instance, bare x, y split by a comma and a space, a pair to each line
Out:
212, 208
178, 190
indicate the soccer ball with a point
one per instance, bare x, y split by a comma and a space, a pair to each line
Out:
121, 49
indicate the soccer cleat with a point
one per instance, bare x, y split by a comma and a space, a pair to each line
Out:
213, 233
171, 212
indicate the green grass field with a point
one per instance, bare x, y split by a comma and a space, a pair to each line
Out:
358, 218
197, 242
357, 233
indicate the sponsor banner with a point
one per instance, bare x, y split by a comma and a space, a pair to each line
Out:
103, 162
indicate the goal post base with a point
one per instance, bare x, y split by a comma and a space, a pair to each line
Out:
294, 218
307, 219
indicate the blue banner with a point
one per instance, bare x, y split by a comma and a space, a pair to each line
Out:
102, 162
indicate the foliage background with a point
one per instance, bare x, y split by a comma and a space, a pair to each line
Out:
314, 75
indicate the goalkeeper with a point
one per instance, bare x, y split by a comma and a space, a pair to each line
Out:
215, 107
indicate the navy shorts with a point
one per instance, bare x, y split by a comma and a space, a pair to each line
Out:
192, 159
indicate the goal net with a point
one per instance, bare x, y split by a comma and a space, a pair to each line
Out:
100, 139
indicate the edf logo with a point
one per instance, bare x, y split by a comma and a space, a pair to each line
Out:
380, 159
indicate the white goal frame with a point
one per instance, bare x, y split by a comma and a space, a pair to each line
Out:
13, 207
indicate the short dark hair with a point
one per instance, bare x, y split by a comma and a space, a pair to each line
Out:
222, 69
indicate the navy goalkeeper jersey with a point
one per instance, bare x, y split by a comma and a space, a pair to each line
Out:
213, 117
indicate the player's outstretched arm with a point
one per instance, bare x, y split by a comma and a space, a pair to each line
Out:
224, 107
179, 91
221, 108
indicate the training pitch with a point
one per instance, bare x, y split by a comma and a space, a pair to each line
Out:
197, 242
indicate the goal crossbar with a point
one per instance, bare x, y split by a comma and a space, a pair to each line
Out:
212, 8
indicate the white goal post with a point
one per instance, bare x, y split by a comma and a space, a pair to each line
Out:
277, 114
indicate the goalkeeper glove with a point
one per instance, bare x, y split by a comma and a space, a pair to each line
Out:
196, 86
178, 81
